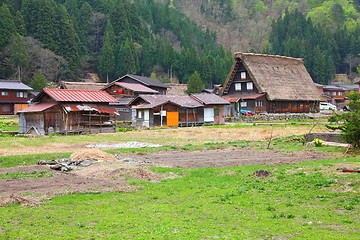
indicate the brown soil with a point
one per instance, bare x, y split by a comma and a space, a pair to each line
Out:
113, 175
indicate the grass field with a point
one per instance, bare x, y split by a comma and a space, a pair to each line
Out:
306, 200
309, 200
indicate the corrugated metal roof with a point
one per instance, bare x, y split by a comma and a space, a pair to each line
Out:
13, 85
136, 87
65, 95
92, 107
39, 107
179, 100
209, 99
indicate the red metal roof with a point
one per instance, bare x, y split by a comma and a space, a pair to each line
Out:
39, 107
92, 107
136, 87
66, 95
252, 96
231, 99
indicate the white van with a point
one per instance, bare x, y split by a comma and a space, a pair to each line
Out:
327, 106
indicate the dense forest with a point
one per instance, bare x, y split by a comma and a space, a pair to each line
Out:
65, 39
52, 40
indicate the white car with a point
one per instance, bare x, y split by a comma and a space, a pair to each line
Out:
327, 106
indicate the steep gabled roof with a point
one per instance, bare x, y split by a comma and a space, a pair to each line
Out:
82, 85
13, 85
144, 80
282, 78
65, 95
209, 99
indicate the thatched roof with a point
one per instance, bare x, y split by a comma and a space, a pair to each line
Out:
176, 89
82, 85
282, 78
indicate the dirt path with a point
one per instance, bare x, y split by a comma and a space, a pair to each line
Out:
112, 175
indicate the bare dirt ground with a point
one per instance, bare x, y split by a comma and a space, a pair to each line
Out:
112, 175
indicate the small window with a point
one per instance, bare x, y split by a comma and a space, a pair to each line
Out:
4, 93
243, 104
139, 114
237, 86
243, 75
20, 94
258, 104
249, 86
333, 93
339, 93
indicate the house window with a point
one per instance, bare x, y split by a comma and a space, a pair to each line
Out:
339, 93
243, 75
237, 86
5, 108
21, 94
4, 93
139, 114
258, 103
249, 86
333, 93
243, 104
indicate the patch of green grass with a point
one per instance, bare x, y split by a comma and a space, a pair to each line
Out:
23, 160
32, 174
8, 126
301, 201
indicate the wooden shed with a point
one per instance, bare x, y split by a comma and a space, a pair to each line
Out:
268, 83
69, 111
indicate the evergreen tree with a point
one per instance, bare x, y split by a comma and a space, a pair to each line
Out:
38, 82
127, 60
19, 57
20, 23
107, 53
195, 84
7, 26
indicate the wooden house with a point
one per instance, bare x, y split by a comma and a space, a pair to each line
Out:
268, 83
145, 81
13, 96
69, 111
177, 110
124, 92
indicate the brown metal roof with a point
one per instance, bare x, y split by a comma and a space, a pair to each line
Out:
231, 99
209, 99
65, 95
180, 100
136, 87
39, 107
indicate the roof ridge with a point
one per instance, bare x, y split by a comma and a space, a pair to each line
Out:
266, 55
60, 89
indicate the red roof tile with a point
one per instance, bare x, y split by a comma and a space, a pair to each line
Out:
92, 107
231, 99
65, 95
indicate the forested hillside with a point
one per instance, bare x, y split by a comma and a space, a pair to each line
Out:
64, 39
52, 40
326, 33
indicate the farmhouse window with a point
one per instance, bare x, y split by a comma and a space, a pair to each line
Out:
242, 75
249, 86
243, 104
21, 94
237, 86
140, 114
339, 93
5, 108
258, 103
333, 93
5, 93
